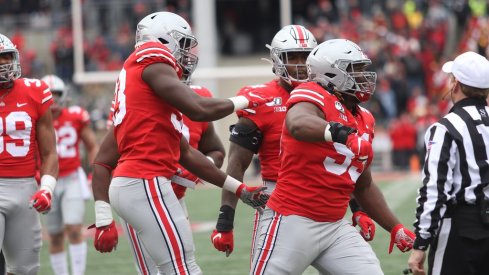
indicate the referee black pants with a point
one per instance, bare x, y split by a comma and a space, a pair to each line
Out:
462, 245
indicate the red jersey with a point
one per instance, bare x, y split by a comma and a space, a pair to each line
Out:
269, 118
192, 131
69, 125
20, 111
317, 178
147, 129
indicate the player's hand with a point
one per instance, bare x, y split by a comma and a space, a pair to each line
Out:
253, 196
223, 241
106, 237
41, 201
367, 226
256, 99
416, 262
361, 148
402, 237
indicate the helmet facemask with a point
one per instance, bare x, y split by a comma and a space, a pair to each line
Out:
360, 84
11, 71
187, 60
282, 64
339, 65
286, 49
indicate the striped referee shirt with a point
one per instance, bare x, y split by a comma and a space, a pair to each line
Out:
456, 169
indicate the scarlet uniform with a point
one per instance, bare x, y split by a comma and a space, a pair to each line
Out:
192, 131
143, 122
68, 203
311, 197
18, 117
269, 118
148, 131
69, 125
20, 228
326, 177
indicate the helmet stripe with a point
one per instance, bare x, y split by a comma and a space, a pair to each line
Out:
302, 36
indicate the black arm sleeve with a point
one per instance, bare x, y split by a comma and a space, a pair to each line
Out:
246, 137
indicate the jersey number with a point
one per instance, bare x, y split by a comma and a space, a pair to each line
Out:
66, 137
338, 168
15, 138
120, 98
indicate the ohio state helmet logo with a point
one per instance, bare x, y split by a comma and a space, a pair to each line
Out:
300, 35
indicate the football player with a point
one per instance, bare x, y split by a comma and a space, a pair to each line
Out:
326, 152
259, 130
26, 132
147, 116
202, 136
72, 125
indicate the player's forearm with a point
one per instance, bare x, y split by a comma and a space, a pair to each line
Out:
49, 164
239, 160
198, 164
101, 177
217, 157
374, 204
212, 109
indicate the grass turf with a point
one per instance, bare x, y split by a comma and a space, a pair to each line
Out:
203, 205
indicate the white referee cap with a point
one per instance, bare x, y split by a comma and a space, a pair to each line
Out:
469, 68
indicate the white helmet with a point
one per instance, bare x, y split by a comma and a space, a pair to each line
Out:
331, 64
56, 85
290, 39
9, 72
172, 31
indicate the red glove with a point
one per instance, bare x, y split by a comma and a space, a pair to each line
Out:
223, 241
367, 226
41, 201
402, 237
106, 237
361, 148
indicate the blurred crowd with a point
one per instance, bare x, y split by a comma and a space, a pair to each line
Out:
406, 40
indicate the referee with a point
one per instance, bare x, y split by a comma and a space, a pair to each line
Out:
452, 216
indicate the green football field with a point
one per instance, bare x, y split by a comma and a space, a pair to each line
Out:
203, 204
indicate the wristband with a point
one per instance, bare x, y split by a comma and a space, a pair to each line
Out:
239, 102
211, 159
226, 219
103, 214
327, 133
48, 183
231, 184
